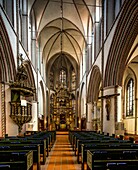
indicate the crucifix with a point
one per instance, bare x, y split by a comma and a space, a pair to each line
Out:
108, 103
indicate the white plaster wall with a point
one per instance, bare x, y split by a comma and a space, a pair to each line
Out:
119, 105
83, 100
89, 122
81, 75
23, 52
40, 101
129, 125
34, 116
133, 52
137, 127
98, 61
88, 79
30, 3
15, 21
131, 71
128, 120
109, 125
34, 121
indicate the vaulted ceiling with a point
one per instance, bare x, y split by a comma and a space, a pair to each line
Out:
63, 27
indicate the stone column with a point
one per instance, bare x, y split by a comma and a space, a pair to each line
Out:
34, 116
25, 25
95, 115
89, 118
111, 108
136, 114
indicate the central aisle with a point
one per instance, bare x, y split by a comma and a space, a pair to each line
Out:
61, 156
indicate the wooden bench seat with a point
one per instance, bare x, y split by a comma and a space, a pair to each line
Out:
46, 141
42, 144
111, 159
74, 136
110, 144
24, 147
16, 165
4, 167
90, 141
49, 136
102, 146
20, 158
91, 137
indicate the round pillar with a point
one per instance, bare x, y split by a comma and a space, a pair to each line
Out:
89, 117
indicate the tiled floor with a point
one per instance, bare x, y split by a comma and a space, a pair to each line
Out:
61, 156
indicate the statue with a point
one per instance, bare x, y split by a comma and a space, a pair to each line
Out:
108, 108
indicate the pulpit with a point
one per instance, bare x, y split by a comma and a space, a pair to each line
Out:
21, 109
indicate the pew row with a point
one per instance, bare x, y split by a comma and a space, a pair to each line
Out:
24, 148
22, 160
112, 159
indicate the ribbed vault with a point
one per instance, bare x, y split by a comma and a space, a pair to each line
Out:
62, 26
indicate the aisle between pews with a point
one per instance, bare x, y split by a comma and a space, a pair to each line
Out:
61, 156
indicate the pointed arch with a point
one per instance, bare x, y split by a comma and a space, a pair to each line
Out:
94, 85
7, 63
30, 80
124, 36
30, 75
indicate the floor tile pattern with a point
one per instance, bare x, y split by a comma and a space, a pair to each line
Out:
61, 156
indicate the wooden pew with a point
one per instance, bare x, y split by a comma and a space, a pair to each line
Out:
112, 159
42, 144
44, 139
16, 165
4, 167
49, 136
103, 146
89, 142
87, 137
24, 147
21, 159
75, 135
93, 140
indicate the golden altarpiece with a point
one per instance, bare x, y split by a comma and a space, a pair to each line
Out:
62, 105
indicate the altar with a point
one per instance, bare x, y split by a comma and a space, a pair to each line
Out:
62, 109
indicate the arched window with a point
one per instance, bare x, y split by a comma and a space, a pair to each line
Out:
73, 80
62, 76
130, 98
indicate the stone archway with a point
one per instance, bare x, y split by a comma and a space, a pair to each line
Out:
123, 39
93, 119
7, 72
